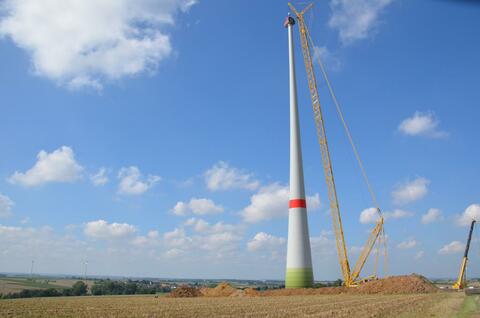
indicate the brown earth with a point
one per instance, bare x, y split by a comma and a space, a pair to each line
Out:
411, 284
222, 290
248, 292
439, 305
185, 292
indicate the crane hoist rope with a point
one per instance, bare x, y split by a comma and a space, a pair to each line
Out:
377, 235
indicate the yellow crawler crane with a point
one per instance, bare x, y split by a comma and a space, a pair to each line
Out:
461, 282
377, 235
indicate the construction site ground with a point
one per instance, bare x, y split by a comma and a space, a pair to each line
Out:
402, 296
343, 305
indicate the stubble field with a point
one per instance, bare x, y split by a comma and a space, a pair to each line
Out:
416, 305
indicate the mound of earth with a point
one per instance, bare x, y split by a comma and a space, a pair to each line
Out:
222, 290
411, 284
305, 291
248, 292
184, 292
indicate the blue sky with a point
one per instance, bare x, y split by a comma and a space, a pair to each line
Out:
150, 138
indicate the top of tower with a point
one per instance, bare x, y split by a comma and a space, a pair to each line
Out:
289, 21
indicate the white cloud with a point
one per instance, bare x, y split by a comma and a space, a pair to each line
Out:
323, 245
323, 54
371, 215
398, 214
419, 255
410, 191
452, 248
84, 43
218, 241
198, 207
6, 206
58, 166
355, 19
152, 238
422, 124
223, 177
355, 250
202, 226
432, 215
407, 244
272, 202
263, 241
177, 238
132, 182
103, 230
471, 213
100, 178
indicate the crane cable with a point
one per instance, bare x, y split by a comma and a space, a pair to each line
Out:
347, 129
383, 238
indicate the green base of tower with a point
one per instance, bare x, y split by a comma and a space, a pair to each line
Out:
299, 278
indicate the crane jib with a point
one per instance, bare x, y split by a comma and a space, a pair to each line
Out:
350, 278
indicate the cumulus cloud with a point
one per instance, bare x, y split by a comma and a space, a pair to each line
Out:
58, 166
220, 240
197, 206
107, 231
100, 178
371, 215
85, 43
410, 191
432, 215
262, 241
133, 183
419, 255
202, 226
407, 244
471, 213
152, 238
422, 124
224, 177
323, 245
398, 214
452, 248
272, 202
355, 19
326, 57
6, 206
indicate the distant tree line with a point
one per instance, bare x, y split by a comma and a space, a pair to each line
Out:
78, 289
100, 287
111, 287
336, 283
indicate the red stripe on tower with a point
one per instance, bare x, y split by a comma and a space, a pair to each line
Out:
297, 203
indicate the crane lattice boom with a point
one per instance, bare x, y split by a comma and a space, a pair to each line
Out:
350, 278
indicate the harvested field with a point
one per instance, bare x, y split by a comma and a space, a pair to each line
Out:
345, 305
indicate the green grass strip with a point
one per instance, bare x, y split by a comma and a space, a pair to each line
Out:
470, 306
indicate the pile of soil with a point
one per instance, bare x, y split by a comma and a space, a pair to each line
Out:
411, 284
306, 291
222, 290
184, 292
248, 292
